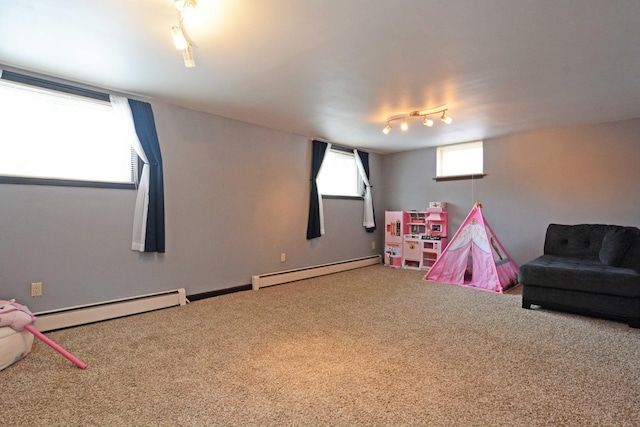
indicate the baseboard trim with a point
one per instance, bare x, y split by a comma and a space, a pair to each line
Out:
96, 312
279, 277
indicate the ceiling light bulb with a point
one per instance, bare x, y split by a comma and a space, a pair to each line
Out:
178, 38
387, 129
187, 55
427, 122
404, 125
446, 118
187, 8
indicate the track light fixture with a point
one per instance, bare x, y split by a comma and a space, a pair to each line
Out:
187, 55
423, 113
180, 37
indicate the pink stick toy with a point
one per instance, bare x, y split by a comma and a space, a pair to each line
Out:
18, 317
79, 363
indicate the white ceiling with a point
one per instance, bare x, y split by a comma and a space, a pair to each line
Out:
336, 69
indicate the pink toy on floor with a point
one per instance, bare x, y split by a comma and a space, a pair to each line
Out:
18, 317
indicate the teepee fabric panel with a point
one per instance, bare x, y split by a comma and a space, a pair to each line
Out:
484, 269
507, 273
452, 270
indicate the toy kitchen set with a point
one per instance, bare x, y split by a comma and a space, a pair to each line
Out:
415, 239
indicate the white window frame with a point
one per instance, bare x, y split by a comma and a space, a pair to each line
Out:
42, 170
339, 165
460, 161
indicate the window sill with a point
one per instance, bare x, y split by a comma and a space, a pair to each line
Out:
460, 177
328, 196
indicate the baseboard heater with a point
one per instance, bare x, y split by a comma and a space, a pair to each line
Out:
270, 279
83, 314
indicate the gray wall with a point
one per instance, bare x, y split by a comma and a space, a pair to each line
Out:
587, 174
236, 196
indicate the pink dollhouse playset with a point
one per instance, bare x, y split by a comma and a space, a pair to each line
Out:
415, 239
475, 258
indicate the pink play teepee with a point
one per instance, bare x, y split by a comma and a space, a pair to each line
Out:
475, 258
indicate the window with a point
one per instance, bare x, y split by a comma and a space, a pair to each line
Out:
339, 175
459, 160
58, 138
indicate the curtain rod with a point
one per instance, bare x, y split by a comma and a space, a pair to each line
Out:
337, 146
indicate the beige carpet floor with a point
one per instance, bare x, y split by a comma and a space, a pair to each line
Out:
368, 347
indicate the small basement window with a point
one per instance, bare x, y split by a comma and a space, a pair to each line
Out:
459, 161
55, 134
339, 175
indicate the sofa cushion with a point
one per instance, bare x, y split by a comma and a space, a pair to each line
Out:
582, 275
615, 245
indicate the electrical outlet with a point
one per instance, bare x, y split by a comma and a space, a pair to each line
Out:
36, 289
283, 257
373, 245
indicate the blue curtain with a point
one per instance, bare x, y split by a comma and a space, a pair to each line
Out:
364, 158
146, 131
318, 149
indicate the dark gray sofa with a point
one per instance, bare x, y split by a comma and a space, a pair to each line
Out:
590, 269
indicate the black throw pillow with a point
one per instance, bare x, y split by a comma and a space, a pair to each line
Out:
615, 245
